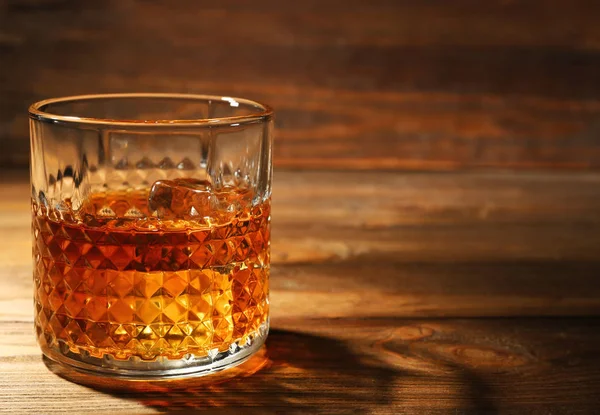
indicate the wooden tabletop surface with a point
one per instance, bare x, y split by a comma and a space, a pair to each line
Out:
391, 293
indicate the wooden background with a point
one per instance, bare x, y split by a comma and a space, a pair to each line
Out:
385, 84
436, 203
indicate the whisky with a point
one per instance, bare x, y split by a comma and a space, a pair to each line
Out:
168, 272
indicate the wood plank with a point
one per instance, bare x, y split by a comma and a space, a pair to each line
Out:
371, 272
344, 366
385, 84
389, 244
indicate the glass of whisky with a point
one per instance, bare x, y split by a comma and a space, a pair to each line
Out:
151, 231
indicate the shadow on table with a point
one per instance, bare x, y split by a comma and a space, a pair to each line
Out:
295, 373
299, 373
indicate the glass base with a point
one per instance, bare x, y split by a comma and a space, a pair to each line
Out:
161, 368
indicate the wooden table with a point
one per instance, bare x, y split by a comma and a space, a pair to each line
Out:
391, 293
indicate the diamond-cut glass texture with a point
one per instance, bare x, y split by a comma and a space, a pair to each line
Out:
124, 283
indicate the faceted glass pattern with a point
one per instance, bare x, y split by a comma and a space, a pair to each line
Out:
150, 293
150, 220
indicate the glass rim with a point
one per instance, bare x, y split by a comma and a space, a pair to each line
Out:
263, 112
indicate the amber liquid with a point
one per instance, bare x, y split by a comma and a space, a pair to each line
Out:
140, 286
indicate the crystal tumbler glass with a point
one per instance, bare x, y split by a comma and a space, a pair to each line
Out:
150, 220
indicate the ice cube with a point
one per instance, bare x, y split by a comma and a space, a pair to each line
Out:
181, 198
232, 199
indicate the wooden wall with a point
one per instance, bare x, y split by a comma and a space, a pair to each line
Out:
381, 84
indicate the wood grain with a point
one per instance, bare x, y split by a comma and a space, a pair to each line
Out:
391, 244
344, 366
383, 84
373, 275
